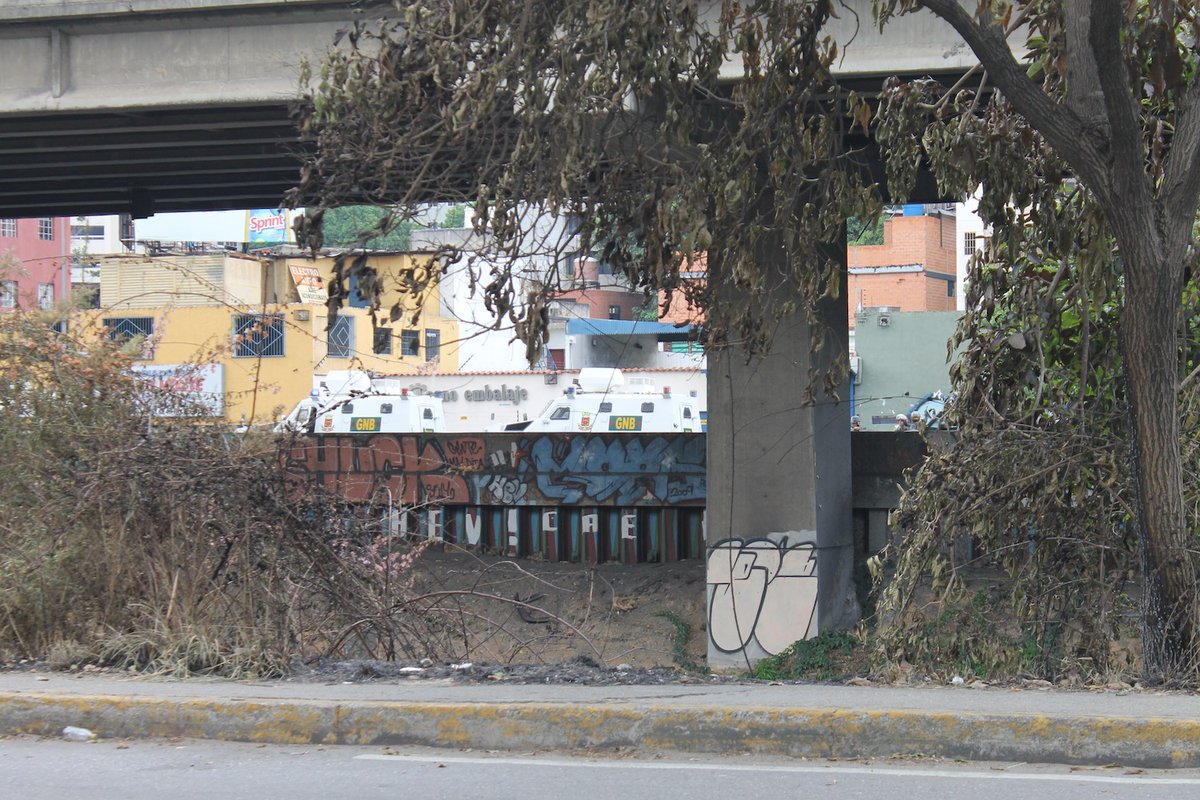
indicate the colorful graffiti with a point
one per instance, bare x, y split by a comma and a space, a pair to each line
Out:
762, 592
577, 497
505, 469
597, 470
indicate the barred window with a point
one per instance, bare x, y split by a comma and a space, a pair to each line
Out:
968, 244
382, 342
8, 228
46, 229
433, 343
340, 341
45, 295
410, 343
8, 294
123, 329
257, 335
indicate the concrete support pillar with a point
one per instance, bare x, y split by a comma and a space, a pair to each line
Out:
778, 524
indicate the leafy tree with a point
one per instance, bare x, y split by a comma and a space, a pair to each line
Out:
860, 231
1109, 94
455, 217
621, 111
353, 226
613, 117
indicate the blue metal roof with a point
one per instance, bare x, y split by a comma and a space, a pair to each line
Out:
625, 327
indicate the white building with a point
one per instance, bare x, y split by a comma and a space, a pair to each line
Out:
101, 236
972, 237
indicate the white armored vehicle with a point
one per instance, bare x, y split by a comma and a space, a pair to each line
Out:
352, 401
601, 401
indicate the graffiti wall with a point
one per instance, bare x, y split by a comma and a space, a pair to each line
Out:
565, 497
506, 469
762, 594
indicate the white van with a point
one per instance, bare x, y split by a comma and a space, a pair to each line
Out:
359, 403
601, 402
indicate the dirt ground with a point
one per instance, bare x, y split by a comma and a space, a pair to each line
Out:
537, 621
537, 612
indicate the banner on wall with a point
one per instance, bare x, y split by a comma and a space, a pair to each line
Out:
177, 389
267, 226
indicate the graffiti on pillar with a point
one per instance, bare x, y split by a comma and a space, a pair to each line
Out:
762, 591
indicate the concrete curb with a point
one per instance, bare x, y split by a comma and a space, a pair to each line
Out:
796, 732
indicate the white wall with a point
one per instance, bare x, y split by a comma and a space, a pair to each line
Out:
516, 396
108, 243
481, 347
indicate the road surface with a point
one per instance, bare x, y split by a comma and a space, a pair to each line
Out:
52, 769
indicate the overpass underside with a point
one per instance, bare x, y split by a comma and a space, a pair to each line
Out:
144, 106
140, 162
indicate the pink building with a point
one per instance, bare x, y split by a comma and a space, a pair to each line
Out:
35, 262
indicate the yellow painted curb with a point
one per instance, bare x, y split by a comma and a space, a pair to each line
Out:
799, 732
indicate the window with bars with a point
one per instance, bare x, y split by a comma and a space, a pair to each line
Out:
46, 229
340, 338
123, 329
45, 295
968, 244
410, 343
8, 294
257, 335
382, 345
433, 343
8, 228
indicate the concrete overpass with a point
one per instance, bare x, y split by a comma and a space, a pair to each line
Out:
138, 106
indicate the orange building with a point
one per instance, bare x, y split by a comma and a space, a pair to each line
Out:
681, 311
913, 270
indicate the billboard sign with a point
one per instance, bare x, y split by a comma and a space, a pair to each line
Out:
267, 226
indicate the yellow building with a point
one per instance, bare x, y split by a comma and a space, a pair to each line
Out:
259, 328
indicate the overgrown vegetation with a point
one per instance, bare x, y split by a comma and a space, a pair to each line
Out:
679, 642
829, 656
173, 545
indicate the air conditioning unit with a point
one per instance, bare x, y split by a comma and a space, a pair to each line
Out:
884, 320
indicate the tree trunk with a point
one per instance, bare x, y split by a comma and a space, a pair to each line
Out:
1149, 340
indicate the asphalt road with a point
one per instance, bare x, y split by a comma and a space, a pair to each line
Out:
33, 769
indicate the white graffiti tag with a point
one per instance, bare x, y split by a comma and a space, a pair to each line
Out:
762, 590
508, 491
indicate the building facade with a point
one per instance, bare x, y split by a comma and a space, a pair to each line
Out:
35, 262
915, 269
256, 328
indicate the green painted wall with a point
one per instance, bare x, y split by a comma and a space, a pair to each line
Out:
902, 361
